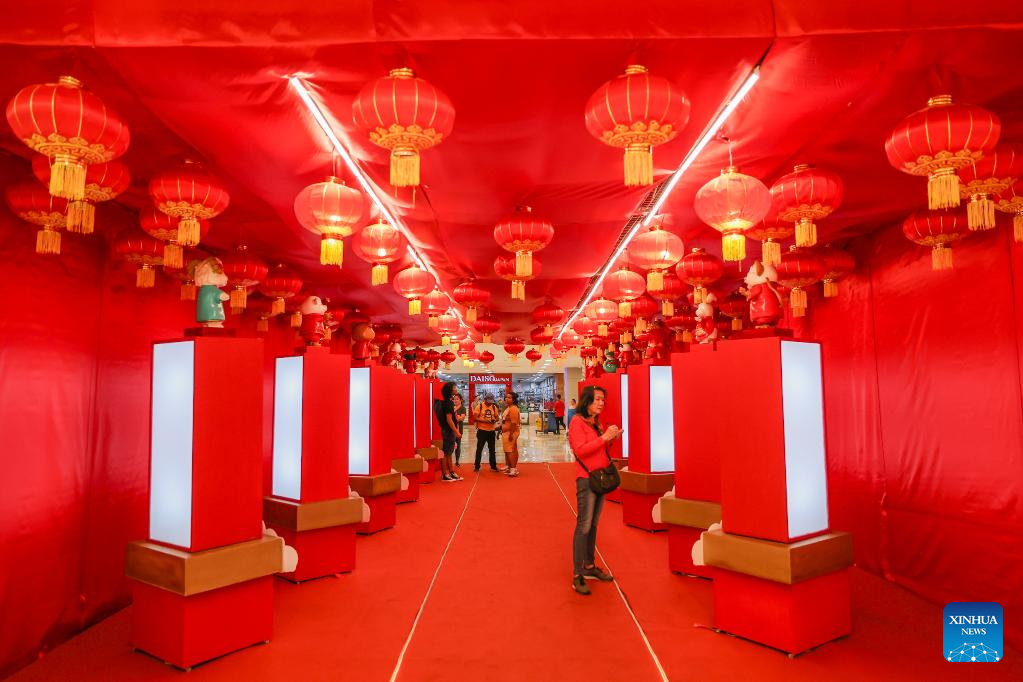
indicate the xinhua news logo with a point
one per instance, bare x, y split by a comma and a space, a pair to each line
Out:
973, 632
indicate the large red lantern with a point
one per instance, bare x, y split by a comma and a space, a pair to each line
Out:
805, 195
405, 115
487, 324
1011, 201
504, 267
142, 251
71, 127
838, 265
731, 203
586, 328
603, 312
623, 286
379, 243
330, 209
486, 357
186, 272
244, 271
103, 182
799, 269
985, 179
413, 283
446, 326
280, 284
472, 296
540, 337
35, 205
513, 347
534, 356
656, 251
938, 230
435, 303
637, 112
159, 225
548, 314
699, 269
447, 357
671, 289
770, 232
191, 195
571, 338
523, 233
940, 139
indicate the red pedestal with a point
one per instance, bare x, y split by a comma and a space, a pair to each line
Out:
614, 496
410, 494
186, 631
637, 510
383, 514
321, 552
701, 423
430, 476
680, 551
792, 618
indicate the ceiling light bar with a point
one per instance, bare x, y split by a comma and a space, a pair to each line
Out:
690, 158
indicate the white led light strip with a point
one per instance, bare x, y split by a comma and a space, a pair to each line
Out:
708, 135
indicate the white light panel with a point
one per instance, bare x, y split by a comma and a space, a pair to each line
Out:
170, 475
287, 448
806, 480
358, 422
625, 414
662, 420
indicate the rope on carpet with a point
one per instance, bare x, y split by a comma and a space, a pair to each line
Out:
621, 593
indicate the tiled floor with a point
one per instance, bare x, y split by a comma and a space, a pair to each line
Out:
533, 447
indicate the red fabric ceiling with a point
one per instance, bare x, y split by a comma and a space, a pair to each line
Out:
208, 81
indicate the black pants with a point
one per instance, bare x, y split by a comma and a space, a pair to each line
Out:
488, 438
458, 451
559, 423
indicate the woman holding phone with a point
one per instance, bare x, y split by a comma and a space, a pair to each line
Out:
590, 443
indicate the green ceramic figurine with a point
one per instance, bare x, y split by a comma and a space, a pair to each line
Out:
209, 305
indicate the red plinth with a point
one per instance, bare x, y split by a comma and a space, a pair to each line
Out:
792, 618
701, 423
321, 552
410, 494
637, 509
425, 423
383, 514
680, 551
186, 631
430, 475
614, 496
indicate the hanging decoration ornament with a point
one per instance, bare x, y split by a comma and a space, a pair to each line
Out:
838, 265
534, 356
487, 324
159, 225
700, 269
447, 324
683, 322
644, 309
244, 271
379, 243
330, 209
447, 357
799, 268
637, 112
191, 195
939, 140
486, 357
548, 314
731, 203
280, 284
103, 182
803, 196
504, 267
471, 295
571, 339
657, 251
734, 305
985, 179
186, 272
71, 127
35, 205
770, 232
586, 328
603, 312
262, 308
435, 303
623, 286
523, 233
142, 251
405, 115
513, 347
671, 289
1011, 201
413, 283
539, 337
938, 230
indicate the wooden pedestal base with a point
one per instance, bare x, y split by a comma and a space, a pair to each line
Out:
323, 534
380, 493
412, 469
640, 492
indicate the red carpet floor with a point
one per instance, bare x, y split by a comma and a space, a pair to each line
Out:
501, 609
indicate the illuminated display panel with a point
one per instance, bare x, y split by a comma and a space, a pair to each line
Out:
358, 422
170, 476
287, 436
662, 420
803, 409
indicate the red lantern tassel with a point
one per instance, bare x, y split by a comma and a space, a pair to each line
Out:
379, 275
415, 306
431, 321
602, 330
980, 212
733, 246
332, 250
624, 309
830, 288
277, 307
470, 314
941, 257
806, 233
687, 336
48, 241
263, 324
487, 338
173, 255
667, 308
145, 277
942, 189
771, 253
1017, 228
67, 178
188, 292
523, 263
699, 294
81, 217
797, 300
188, 232
736, 324
654, 280
239, 299
445, 340
639, 165
404, 167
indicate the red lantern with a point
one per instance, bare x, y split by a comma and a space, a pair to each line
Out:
541, 338
379, 243
405, 115
523, 233
643, 310
103, 182
466, 346
734, 305
671, 289
35, 205
571, 339
699, 269
985, 179
486, 357
1011, 201
504, 267
534, 356
447, 357
186, 273
683, 322
159, 225
70, 126
262, 308
623, 286
280, 284
637, 112
513, 347
586, 328
446, 326
487, 325
770, 232
656, 251
938, 230
838, 265
330, 209
939, 140
144, 252
413, 283
435, 303
472, 296
548, 314
799, 268
732, 203
244, 271
189, 194
603, 312
805, 195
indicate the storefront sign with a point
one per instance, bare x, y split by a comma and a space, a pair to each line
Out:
490, 378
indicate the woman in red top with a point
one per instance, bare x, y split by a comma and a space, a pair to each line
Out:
589, 442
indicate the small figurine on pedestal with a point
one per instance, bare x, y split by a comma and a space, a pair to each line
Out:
765, 301
625, 356
593, 368
658, 350
408, 361
209, 303
312, 329
362, 346
706, 327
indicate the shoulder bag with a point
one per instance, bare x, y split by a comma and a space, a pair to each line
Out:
604, 479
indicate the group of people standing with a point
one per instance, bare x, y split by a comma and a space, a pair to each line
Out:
490, 420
